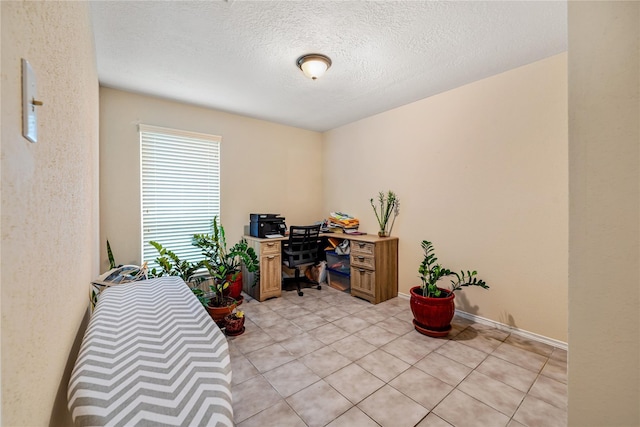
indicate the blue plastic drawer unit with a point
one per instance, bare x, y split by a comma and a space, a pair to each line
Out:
338, 280
339, 263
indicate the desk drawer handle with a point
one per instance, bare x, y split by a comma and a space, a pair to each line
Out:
271, 257
362, 271
361, 245
361, 258
270, 244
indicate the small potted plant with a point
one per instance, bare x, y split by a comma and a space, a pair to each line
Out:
234, 323
389, 205
432, 306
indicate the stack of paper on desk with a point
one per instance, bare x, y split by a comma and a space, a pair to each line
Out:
344, 221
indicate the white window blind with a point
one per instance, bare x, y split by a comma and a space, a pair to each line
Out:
180, 183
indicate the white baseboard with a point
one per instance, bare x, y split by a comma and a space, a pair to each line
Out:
526, 334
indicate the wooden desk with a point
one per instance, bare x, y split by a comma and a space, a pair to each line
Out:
374, 267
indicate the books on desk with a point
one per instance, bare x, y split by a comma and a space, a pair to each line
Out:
342, 220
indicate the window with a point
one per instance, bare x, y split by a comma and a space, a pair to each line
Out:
180, 186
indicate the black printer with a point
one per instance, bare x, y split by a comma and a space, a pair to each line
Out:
266, 225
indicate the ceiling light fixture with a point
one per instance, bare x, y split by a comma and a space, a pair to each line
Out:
314, 65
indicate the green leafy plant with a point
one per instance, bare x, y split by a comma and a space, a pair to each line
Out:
431, 272
199, 293
220, 282
214, 248
171, 265
223, 263
389, 205
112, 261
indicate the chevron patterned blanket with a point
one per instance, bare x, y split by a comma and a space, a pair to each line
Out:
151, 355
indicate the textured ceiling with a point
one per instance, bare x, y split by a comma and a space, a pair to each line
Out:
240, 56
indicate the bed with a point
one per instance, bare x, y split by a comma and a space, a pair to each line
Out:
151, 355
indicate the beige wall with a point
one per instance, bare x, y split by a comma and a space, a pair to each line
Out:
265, 167
481, 171
49, 206
604, 213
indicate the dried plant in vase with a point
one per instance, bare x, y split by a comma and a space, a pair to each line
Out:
389, 205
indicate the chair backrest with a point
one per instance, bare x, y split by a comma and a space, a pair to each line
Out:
303, 244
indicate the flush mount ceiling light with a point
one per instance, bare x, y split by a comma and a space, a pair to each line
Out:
314, 65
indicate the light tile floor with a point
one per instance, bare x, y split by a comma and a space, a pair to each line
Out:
330, 359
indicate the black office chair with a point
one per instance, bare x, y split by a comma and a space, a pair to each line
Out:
301, 250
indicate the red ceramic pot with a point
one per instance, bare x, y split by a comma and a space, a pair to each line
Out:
235, 287
234, 326
432, 316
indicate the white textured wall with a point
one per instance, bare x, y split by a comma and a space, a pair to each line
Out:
481, 171
49, 206
604, 214
265, 167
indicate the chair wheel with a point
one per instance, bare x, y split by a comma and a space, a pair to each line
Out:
319, 287
300, 293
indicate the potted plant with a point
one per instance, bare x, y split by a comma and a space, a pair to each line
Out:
220, 304
389, 209
214, 248
171, 265
432, 306
234, 323
223, 265
217, 304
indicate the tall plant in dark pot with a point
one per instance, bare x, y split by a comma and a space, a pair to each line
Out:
433, 307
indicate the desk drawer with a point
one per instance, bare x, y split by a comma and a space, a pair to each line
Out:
269, 248
363, 283
363, 260
362, 248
